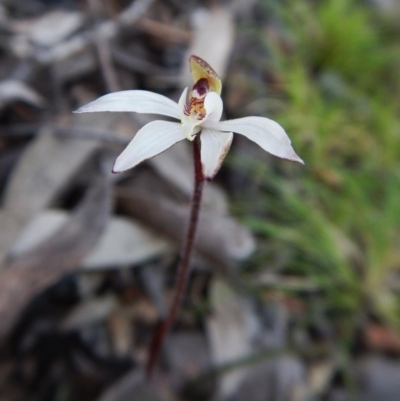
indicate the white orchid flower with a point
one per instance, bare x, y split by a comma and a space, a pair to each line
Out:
199, 115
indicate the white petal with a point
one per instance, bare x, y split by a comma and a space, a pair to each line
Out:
149, 141
183, 100
214, 147
264, 132
134, 100
214, 107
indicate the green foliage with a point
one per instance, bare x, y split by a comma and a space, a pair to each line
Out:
340, 35
340, 215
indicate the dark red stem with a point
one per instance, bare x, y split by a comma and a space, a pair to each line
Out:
183, 268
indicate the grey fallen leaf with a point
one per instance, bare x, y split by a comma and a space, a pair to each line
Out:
88, 284
290, 375
132, 387
38, 230
89, 312
44, 170
235, 241
378, 378
124, 242
134, 11
280, 379
214, 33
80, 42
10, 226
188, 354
70, 69
11, 91
219, 238
27, 276
21, 47
230, 331
42, 31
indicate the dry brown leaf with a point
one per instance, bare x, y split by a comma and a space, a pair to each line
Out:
381, 338
28, 276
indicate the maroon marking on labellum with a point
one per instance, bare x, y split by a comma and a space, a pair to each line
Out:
201, 88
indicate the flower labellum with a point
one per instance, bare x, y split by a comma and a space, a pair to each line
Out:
199, 113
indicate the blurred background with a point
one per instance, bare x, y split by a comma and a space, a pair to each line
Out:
294, 291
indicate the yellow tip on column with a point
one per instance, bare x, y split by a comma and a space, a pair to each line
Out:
201, 69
